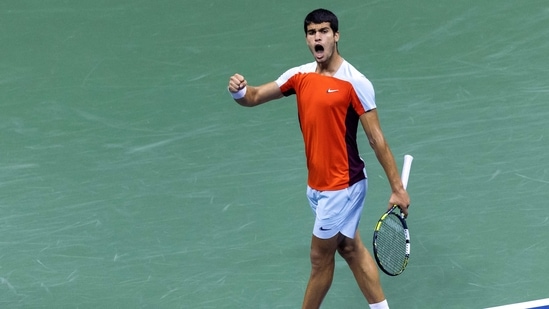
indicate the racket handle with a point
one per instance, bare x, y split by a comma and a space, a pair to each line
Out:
406, 166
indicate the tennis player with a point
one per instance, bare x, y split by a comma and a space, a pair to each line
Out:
332, 99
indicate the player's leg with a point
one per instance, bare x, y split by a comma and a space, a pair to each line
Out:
331, 209
353, 251
363, 267
322, 270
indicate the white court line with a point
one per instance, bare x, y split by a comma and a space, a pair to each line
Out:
527, 305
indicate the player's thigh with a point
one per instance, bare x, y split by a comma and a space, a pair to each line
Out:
352, 247
323, 250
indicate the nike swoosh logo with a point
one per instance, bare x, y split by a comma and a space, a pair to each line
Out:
323, 229
332, 90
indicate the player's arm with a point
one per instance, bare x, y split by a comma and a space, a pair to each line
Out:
370, 123
249, 96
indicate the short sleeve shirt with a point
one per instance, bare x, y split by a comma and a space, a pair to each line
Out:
329, 108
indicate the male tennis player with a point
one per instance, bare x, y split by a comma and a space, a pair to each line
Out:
332, 98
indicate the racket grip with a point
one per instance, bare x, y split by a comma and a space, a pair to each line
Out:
406, 166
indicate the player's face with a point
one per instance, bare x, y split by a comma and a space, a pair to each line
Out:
322, 40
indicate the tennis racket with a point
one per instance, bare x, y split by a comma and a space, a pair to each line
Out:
391, 236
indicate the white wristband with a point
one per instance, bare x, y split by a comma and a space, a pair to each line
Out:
239, 94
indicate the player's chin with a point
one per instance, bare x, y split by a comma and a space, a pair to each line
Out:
320, 59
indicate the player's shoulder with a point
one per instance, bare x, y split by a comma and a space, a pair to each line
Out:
351, 74
304, 68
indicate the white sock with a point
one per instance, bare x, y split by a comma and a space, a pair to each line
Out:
380, 305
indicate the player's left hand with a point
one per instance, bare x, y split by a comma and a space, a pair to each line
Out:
401, 199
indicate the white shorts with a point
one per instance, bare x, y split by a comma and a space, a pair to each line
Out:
337, 211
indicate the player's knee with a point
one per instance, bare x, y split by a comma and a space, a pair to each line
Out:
321, 259
347, 251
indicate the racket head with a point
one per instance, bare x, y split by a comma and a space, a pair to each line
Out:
391, 243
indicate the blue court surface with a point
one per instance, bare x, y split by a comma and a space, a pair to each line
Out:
129, 178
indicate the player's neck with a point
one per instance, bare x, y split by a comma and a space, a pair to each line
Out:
330, 67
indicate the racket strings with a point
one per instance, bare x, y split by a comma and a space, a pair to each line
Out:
391, 245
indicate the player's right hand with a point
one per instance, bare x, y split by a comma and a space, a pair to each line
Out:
237, 82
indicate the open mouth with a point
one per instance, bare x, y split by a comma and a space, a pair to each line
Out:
319, 52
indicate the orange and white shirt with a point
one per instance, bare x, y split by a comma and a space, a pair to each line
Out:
329, 108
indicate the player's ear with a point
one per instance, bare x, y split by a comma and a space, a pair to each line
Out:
336, 36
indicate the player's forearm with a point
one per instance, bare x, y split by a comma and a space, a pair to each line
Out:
250, 98
387, 161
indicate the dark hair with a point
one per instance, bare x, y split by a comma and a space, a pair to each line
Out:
319, 16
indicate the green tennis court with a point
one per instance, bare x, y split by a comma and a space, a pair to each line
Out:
130, 179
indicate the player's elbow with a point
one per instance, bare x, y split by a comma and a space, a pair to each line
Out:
376, 138
376, 142
379, 145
